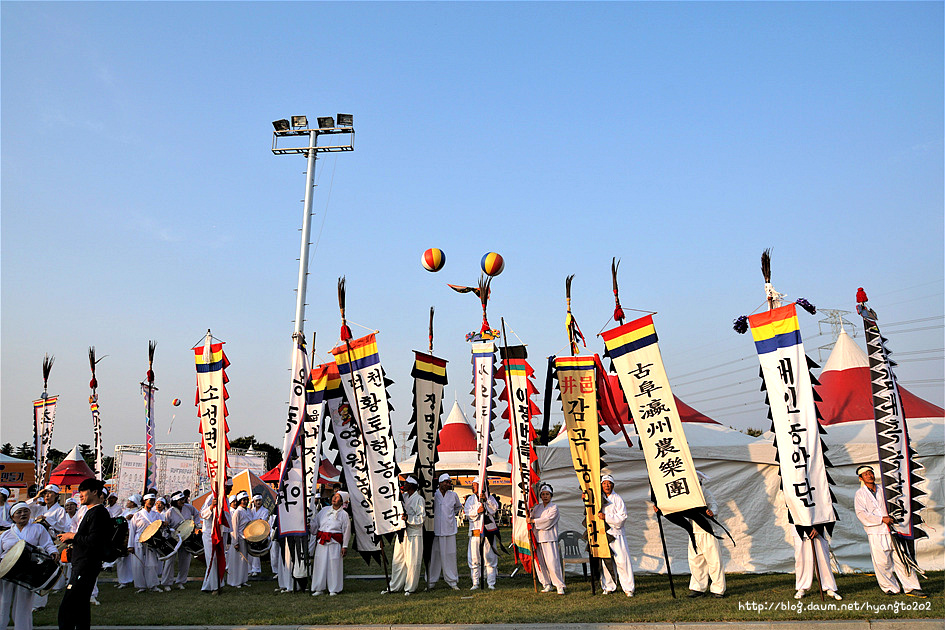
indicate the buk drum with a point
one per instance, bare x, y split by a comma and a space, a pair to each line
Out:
190, 536
159, 537
256, 534
29, 566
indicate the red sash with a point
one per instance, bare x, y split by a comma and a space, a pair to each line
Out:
326, 537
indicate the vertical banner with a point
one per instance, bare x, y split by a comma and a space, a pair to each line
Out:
483, 362
353, 463
787, 379
312, 434
577, 383
365, 385
516, 373
97, 434
211, 396
899, 472
429, 378
635, 352
150, 457
292, 508
44, 417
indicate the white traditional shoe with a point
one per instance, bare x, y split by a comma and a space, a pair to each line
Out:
491, 587
547, 589
157, 589
455, 587
167, 589
474, 587
406, 593
94, 601
180, 587
332, 594
122, 586
800, 593
386, 592
560, 591
141, 590
629, 593
834, 594
317, 593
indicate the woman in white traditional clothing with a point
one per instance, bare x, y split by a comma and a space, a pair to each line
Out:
615, 514
408, 546
332, 531
544, 520
146, 564
16, 601
124, 566
237, 573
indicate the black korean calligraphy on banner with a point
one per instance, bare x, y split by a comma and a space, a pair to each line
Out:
429, 378
292, 506
483, 364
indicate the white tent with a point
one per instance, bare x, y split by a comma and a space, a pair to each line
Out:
744, 478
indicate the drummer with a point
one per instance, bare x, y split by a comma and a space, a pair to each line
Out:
175, 518
146, 563
54, 517
16, 602
124, 567
257, 512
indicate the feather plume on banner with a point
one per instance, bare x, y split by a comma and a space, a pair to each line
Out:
574, 331
618, 311
518, 376
795, 419
44, 419
483, 291
347, 440
900, 472
365, 383
96, 416
429, 379
210, 400
147, 391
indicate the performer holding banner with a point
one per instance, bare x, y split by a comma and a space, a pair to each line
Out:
332, 532
544, 518
446, 506
480, 512
408, 546
785, 369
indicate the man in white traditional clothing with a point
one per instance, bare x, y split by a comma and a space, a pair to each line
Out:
173, 518
871, 510
408, 547
16, 602
705, 559
332, 532
5, 520
124, 566
237, 574
211, 577
544, 522
146, 564
480, 512
810, 548
257, 513
615, 514
112, 505
446, 505
58, 521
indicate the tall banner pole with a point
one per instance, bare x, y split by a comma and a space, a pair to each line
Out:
96, 416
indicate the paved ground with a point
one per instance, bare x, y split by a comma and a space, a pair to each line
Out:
876, 624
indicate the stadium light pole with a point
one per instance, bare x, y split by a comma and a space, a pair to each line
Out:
342, 137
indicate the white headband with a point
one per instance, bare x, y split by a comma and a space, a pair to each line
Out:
546, 488
607, 478
444, 477
149, 495
19, 506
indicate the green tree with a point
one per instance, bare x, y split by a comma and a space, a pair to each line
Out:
7, 449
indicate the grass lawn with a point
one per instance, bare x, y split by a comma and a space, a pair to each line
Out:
513, 601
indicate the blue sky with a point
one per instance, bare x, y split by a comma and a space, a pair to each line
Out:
140, 198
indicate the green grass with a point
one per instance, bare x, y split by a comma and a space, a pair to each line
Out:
513, 601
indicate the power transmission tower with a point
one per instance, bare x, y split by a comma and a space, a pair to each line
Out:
834, 319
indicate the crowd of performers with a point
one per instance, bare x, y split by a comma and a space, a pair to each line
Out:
43, 520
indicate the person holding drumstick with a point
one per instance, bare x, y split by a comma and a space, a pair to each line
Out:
16, 601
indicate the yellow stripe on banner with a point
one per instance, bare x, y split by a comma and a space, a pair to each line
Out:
775, 328
215, 357
631, 336
431, 368
356, 353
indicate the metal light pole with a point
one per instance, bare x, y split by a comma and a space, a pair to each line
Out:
299, 129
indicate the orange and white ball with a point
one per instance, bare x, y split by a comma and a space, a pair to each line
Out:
492, 264
433, 259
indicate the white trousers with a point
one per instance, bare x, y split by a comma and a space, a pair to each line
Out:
328, 570
210, 580
443, 557
145, 566
255, 565
475, 564
124, 567
408, 559
16, 602
804, 563
286, 580
183, 566
275, 557
621, 555
886, 562
549, 565
705, 563
237, 568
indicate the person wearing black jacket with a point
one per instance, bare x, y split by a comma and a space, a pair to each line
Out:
89, 543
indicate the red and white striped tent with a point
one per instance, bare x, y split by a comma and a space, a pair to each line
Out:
72, 471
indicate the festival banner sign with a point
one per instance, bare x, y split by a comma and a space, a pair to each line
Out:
899, 471
292, 507
429, 378
97, 434
312, 433
516, 373
363, 379
577, 384
787, 379
353, 463
44, 417
635, 352
483, 362
150, 456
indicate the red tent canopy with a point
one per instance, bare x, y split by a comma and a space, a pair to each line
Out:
686, 413
72, 471
846, 391
327, 474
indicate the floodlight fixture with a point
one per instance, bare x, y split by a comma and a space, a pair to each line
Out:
280, 125
299, 122
326, 122
345, 120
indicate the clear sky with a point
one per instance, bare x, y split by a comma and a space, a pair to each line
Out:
140, 198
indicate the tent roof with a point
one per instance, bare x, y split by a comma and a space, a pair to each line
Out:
456, 435
73, 470
686, 413
6, 459
327, 473
846, 392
